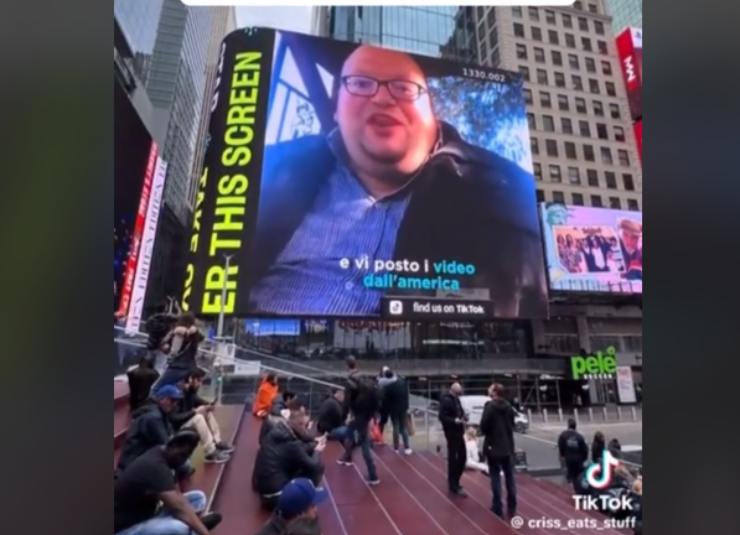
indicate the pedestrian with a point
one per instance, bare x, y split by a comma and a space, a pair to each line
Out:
497, 425
140, 381
396, 401
384, 380
266, 394
182, 344
362, 394
597, 447
573, 451
453, 420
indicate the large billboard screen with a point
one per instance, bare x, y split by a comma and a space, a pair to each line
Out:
629, 46
593, 249
348, 180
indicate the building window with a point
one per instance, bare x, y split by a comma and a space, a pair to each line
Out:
483, 52
540, 195
593, 177
518, 30
555, 173
570, 150
580, 105
542, 76
602, 47
629, 184
577, 5
577, 83
567, 21
573, 61
516, 11
495, 57
582, 24
632, 205
551, 147
577, 198
592, 8
588, 153
527, 95
480, 12
590, 65
610, 89
563, 103
545, 101
491, 18
531, 121
539, 55
586, 44
521, 51
596, 201
593, 86
566, 125
584, 129
537, 170
601, 131
624, 158
606, 68
524, 70
598, 108
615, 203
559, 79
614, 109
533, 142
599, 27
557, 58
557, 196
552, 35
619, 133
606, 155
550, 16
536, 33
493, 39
611, 180
574, 177
570, 40
548, 125
534, 13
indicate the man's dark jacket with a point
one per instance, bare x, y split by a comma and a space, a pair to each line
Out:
331, 415
572, 446
497, 425
363, 398
186, 407
396, 397
449, 409
150, 427
140, 381
467, 204
283, 456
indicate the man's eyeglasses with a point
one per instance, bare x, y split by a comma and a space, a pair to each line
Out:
364, 86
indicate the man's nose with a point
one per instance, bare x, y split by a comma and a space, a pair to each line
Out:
383, 97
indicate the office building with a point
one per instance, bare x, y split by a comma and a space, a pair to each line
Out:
624, 13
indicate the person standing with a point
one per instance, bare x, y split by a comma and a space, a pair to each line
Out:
573, 451
497, 425
182, 344
597, 447
453, 420
396, 401
266, 394
140, 381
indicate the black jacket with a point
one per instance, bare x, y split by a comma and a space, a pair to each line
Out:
497, 425
331, 415
283, 456
597, 451
186, 408
572, 446
449, 409
396, 397
467, 204
140, 381
150, 427
363, 397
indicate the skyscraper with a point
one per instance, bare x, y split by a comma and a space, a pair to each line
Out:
440, 31
624, 13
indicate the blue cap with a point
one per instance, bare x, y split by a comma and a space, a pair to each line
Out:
168, 391
298, 495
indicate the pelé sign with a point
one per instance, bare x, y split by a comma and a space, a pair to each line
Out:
598, 366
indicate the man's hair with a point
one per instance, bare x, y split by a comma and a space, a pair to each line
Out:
186, 320
288, 395
388, 373
184, 438
571, 423
497, 389
351, 362
147, 361
294, 404
271, 377
197, 373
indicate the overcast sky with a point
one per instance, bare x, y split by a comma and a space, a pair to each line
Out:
294, 18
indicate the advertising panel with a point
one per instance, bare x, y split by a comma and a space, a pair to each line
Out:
344, 178
625, 385
629, 47
638, 137
592, 249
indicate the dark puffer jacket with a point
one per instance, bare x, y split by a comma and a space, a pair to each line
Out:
150, 427
284, 455
396, 397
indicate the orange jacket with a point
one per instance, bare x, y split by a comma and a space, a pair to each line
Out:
265, 396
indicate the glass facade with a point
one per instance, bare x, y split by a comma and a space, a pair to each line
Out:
624, 13
440, 31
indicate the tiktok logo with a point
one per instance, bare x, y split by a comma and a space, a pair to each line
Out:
599, 475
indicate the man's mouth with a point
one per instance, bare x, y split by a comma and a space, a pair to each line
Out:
382, 119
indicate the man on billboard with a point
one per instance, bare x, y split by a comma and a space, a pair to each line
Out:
630, 237
391, 182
